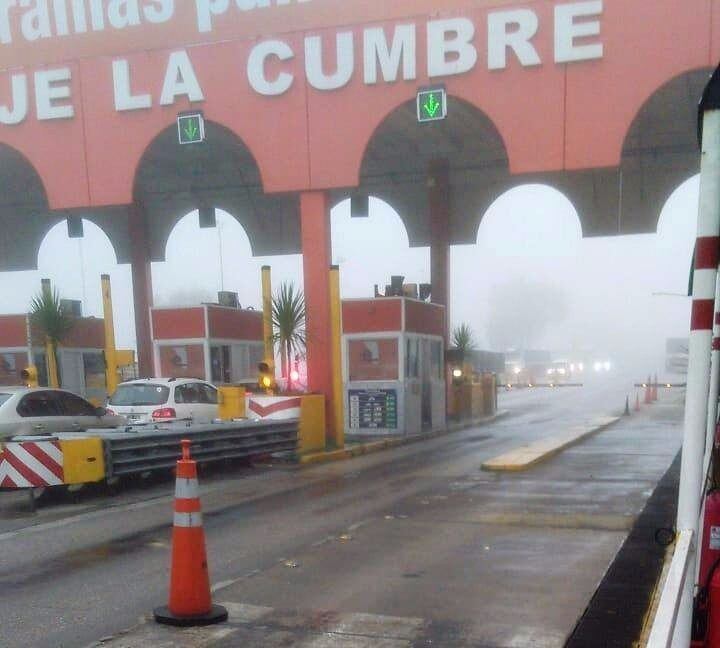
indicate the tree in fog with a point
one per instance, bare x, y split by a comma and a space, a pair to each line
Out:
521, 312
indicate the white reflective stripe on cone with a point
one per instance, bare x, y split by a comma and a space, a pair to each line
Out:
186, 488
187, 519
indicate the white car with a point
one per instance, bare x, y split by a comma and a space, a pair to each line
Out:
163, 400
40, 411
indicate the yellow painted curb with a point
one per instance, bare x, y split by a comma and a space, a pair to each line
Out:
529, 455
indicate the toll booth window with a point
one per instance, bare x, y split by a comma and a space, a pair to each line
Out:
186, 361
436, 359
11, 364
94, 366
412, 358
373, 359
221, 364
39, 362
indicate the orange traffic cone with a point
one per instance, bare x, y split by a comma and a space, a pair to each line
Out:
190, 603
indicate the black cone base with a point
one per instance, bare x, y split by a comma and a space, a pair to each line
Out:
217, 614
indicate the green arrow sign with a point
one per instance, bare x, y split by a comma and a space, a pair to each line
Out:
191, 128
431, 105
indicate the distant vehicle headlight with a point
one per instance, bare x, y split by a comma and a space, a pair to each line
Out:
572, 367
606, 365
561, 371
457, 373
581, 367
598, 366
517, 370
550, 372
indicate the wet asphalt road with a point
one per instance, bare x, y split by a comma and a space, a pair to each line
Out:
417, 532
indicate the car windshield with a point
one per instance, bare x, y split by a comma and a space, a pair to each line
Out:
4, 398
140, 394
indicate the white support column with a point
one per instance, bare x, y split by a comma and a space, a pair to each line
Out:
701, 325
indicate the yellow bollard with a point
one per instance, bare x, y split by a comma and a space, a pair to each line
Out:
231, 403
311, 435
269, 358
111, 365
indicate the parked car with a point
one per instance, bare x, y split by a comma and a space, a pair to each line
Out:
40, 410
155, 400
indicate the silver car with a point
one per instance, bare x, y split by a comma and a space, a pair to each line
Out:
40, 410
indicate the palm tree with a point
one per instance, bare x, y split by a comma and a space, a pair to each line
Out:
463, 340
288, 318
49, 318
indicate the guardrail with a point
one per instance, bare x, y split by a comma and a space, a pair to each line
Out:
141, 451
663, 628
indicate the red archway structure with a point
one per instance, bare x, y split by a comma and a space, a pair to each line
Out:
171, 181
561, 81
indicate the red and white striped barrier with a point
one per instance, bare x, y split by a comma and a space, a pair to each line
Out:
274, 408
31, 464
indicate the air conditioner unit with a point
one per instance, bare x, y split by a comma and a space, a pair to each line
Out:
228, 299
72, 307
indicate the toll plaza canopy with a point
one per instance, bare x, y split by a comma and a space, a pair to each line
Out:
306, 102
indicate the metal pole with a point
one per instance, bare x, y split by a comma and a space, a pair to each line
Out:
701, 325
336, 355
111, 369
267, 317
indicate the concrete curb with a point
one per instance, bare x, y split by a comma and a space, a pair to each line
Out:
384, 444
526, 456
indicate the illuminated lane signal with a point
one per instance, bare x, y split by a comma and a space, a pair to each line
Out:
191, 128
431, 104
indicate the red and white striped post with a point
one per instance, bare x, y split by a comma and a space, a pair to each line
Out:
701, 325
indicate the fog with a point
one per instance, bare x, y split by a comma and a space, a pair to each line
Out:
530, 280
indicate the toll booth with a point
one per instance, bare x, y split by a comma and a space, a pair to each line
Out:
393, 366
81, 361
220, 344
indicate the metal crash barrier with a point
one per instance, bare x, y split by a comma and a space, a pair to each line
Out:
96, 455
130, 453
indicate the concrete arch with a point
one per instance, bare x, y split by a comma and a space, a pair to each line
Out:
173, 180
539, 186
23, 209
22, 185
660, 150
397, 157
370, 250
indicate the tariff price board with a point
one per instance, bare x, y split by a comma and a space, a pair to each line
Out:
373, 409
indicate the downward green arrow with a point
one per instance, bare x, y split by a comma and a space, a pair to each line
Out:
191, 129
431, 106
